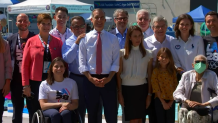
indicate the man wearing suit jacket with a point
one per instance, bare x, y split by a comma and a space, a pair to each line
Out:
121, 20
17, 42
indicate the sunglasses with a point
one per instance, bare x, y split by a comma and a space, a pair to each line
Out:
204, 62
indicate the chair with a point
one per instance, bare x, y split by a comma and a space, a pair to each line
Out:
205, 111
38, 117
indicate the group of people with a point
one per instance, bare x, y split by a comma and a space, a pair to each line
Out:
139, 67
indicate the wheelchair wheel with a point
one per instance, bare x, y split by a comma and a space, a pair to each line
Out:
38, 117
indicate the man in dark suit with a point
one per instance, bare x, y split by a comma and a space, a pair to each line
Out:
121, 20
17, 42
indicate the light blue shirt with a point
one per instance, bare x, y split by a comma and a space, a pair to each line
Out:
110, 52
148, 32
64, 36
151, 43
121, 38
70, 51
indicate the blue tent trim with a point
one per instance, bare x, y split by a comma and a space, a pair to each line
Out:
197, 14
15, 1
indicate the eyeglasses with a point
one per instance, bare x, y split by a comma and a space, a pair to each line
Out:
158, 27
198, 61
123, 18
79, 27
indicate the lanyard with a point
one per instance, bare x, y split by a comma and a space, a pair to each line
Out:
47, 46
66, 31
19, 43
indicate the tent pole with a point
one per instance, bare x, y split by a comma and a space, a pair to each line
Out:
8, 22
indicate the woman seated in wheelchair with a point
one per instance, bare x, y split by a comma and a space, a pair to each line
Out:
58, 95
193, 92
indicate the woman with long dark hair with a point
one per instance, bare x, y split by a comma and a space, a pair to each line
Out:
133, 87
186, 45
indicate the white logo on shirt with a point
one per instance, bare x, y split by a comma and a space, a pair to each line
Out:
212, 55
19, 57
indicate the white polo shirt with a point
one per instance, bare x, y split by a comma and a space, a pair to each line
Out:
152, 44
185, 52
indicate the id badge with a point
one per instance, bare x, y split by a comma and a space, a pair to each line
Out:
46, 66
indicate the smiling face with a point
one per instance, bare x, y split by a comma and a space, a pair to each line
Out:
98, 20
58, 69
78, 27
61, 17
44, 26
159, 28
121, 21
185, 26
136, 38
163, 59
212, 23
22, 22
143, 20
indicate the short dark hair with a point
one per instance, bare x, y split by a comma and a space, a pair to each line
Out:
43, 16
176, 28
211, 13
77, 17
50, 78
1, 12
63, 9
98, 9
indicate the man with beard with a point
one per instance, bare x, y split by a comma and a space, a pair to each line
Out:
17, 42
61, 31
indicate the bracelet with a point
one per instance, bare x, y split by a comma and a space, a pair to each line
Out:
149, 94
26, 86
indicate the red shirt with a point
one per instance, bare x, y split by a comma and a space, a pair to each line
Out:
33, 53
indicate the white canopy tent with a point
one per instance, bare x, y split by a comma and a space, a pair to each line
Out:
5, 3
87, 17
49, 6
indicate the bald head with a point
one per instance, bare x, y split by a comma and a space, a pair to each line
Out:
22, 15
22, 22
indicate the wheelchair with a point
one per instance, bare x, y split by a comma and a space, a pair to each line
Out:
204, 111
38, 117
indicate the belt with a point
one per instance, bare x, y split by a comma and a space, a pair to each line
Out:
99, 76
81, 75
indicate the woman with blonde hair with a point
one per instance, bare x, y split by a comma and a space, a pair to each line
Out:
133, 87
5, 72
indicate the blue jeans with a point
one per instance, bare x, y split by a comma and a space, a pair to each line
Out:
64, 117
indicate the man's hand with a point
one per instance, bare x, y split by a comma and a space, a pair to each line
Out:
104, 81
95, 81
79, 38
180, 70
120, 99
27, 91
6, 88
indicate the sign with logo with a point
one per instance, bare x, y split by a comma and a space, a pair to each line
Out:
117, 4
74, 8
50, 8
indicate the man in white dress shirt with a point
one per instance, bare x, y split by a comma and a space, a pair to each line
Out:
61, 31
154, 43
143, 20
99, 60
